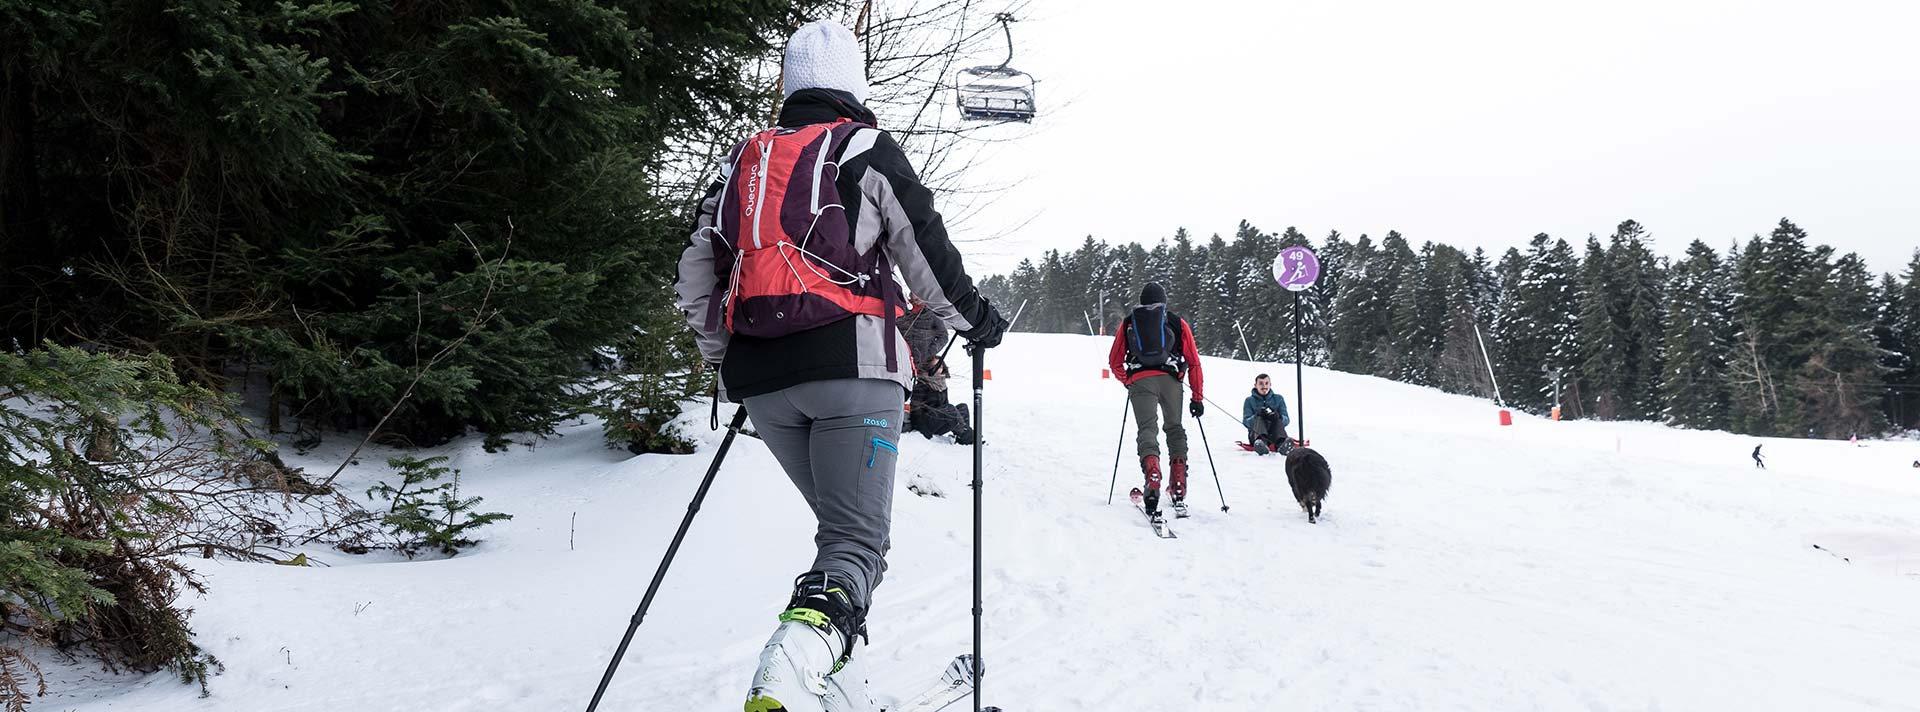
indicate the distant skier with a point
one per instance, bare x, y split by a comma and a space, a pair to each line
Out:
1265, 415
777, 293
1757, 462
1152, 349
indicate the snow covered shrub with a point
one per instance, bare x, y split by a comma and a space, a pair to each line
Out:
91, 512
424, 515
657, 369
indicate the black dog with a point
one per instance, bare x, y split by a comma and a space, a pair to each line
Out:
1307, 473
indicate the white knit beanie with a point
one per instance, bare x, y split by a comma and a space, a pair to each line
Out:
825, 55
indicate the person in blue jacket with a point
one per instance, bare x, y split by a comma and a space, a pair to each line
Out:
1265, 415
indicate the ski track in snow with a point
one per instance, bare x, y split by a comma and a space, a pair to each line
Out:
1458, 566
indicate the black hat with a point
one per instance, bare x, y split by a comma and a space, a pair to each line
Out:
1153, 294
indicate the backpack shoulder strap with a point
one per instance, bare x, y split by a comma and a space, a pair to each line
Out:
733, 157
726, 183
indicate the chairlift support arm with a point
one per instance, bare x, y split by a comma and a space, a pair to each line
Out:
1006, 26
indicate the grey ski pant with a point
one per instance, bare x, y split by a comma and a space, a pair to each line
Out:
1157, 398
838, 440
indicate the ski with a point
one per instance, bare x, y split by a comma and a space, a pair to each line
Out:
1180, 509
954, 685
1158, 522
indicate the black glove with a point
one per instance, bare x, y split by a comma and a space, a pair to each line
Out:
1197, 408
987, 334
1266, 411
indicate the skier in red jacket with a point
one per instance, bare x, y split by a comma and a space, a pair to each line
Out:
1152, 348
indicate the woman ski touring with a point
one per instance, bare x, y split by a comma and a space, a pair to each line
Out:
789, 286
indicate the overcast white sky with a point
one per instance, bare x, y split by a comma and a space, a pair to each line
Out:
1469, 122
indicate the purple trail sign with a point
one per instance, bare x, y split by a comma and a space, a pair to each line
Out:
1296, 269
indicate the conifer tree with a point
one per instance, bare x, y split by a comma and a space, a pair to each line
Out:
1456, 364
1838, 375
1894, 359
1258, 306
1770, 309
1538, 323
1122, 289
1336, 255
1208, 308
1554, 308
1059, 292
1419, 315
1485, 293
1752, 387
1602, 345
1362, 304
1094, 268
1397, 265
1693, 381
1641, 283
1189, 270
1160, 263
1023, 285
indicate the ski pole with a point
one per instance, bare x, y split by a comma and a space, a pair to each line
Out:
1216, 471
979, 437
1116, 450
739, 421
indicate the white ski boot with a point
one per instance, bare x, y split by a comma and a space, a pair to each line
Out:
802, 667
847, 690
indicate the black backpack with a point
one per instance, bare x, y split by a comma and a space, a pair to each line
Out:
1153, 340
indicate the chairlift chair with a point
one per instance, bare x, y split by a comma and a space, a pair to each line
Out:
996, 92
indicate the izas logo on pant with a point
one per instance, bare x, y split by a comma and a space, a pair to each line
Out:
878, 423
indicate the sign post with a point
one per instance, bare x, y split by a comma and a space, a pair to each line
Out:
1296, 269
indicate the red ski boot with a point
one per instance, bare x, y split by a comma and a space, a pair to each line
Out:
1150, 465
1149, 501
1177, 488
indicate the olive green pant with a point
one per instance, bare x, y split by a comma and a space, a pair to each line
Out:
1155, 398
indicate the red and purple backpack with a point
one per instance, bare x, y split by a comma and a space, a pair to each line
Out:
785, 265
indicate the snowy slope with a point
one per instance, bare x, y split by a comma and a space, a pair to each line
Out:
1460, 566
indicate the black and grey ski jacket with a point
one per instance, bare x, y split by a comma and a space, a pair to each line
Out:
886, 205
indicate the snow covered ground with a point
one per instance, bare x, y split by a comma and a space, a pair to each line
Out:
1460, 566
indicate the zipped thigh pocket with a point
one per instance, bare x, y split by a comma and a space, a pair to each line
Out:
874, 451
